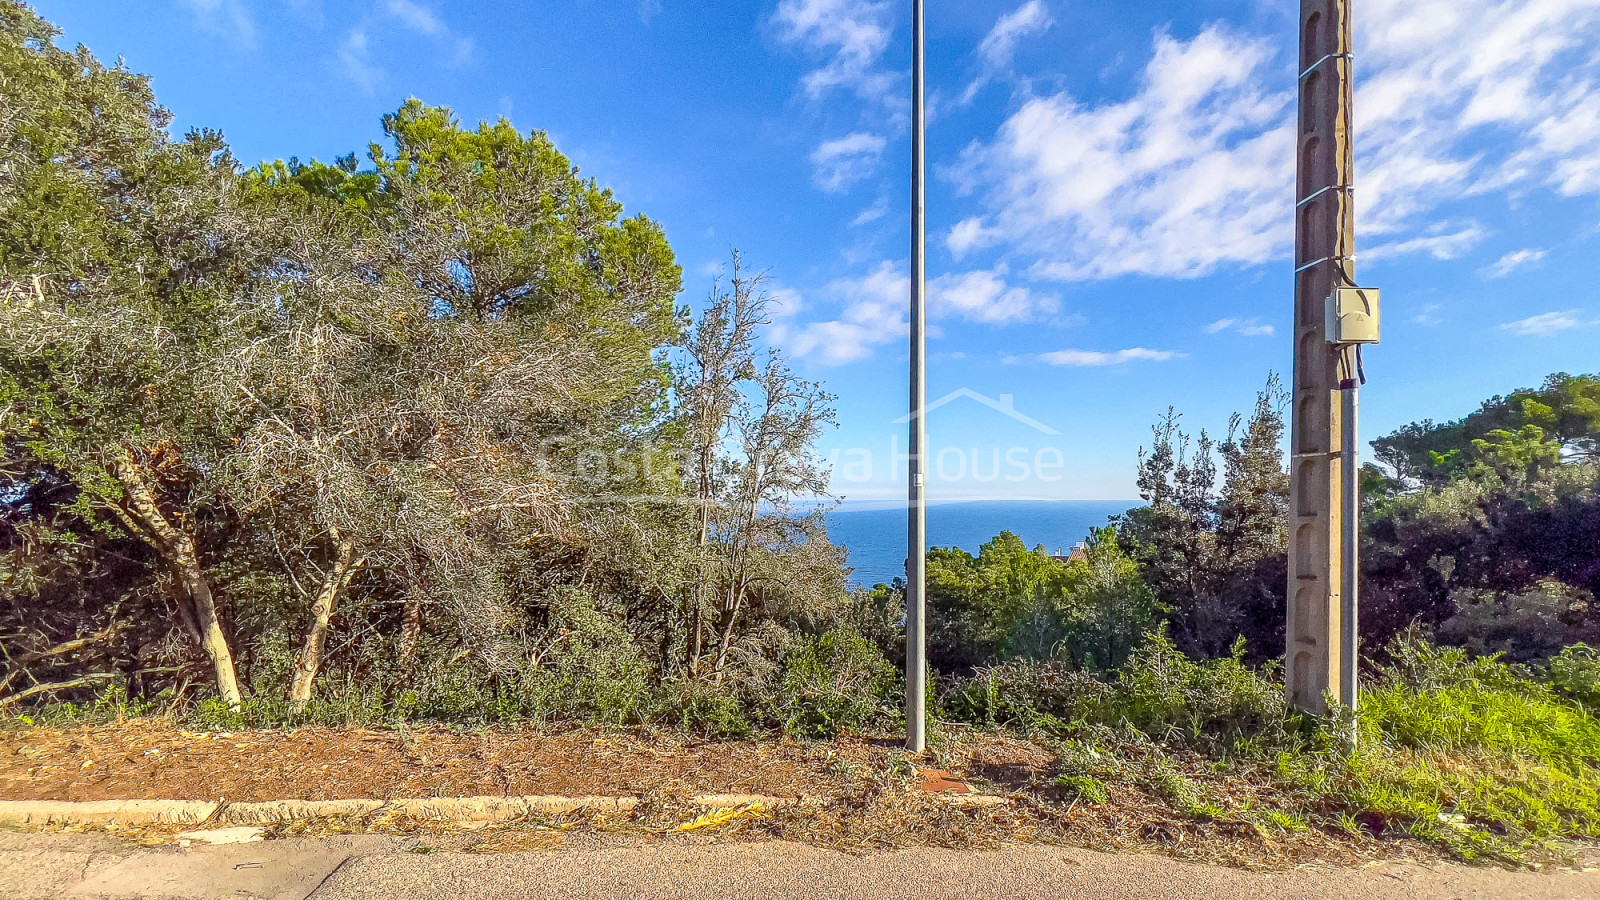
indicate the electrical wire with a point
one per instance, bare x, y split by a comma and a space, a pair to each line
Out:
1345, 60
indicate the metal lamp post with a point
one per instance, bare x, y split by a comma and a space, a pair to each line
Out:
916, 498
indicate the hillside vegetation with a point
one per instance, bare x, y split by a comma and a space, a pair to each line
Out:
426, 436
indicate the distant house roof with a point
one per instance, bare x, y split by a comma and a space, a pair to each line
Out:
1079, 552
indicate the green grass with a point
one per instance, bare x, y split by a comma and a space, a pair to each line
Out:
1480, 759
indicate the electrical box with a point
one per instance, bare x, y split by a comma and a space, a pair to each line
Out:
1353, 316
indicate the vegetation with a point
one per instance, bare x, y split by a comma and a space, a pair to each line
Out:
427, 437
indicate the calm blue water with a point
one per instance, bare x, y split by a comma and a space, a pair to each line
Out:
876, 537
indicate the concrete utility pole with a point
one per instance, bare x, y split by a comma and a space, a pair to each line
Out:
1324, 504
916, 501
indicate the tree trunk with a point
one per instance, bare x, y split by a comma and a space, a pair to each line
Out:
724, 640
696, 640
695, 645
410, 630
310, 658
177, 548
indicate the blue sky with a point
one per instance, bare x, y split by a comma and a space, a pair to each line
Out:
1109, 199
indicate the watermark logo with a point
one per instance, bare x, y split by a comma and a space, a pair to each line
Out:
852, 469
1006, 406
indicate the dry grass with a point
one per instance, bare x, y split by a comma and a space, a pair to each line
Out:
861, 794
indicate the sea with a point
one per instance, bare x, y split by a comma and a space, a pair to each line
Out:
875, 534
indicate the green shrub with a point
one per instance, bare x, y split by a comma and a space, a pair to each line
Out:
1419, 665
583, 667
1215, 703
593, 670
111, 705
1184, 793
1575, 672
837, 682
1026, 697
709, 710
1160, 692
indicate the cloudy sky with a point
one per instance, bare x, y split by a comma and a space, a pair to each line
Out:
1109, 200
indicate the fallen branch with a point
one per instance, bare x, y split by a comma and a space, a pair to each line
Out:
22, 659
81, 681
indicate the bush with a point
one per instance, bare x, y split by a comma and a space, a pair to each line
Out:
1575, 673
111, 705
1219, 702
713, 711
1159, 692
1526, 626
837, 682
582, 667
592, 669
1025, 696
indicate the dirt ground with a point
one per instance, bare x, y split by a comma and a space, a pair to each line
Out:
140, 761
863, 793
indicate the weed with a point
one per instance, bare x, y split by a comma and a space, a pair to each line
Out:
1084, 787
1285, 821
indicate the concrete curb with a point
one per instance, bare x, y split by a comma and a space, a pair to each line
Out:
473, 810
121, 812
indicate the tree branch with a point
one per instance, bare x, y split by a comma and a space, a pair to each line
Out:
36, 690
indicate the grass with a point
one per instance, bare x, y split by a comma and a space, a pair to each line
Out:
1471, 759
1474, 759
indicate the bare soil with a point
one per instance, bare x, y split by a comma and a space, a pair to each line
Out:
150, 761
866, 794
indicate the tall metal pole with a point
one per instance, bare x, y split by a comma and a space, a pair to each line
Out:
1350, 565
916, 511
1320, 628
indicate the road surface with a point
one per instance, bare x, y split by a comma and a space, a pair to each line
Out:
34, 867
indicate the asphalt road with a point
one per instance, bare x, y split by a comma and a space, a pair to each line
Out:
33, 867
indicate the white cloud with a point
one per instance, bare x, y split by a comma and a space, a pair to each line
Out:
355, 59
648, 10
1429, 315
841, 163
1194, 170
872, 213
228, 18
1246, 327
1088, 358
1544, 324
421, 20
1467, 96
999, 46
1189, 173
985, 297
784, 303
968, 235
1446, 241
874, 313
1514, 261
873, 310
851, 34
416, 17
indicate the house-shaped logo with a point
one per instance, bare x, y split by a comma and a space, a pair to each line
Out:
1005, 406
